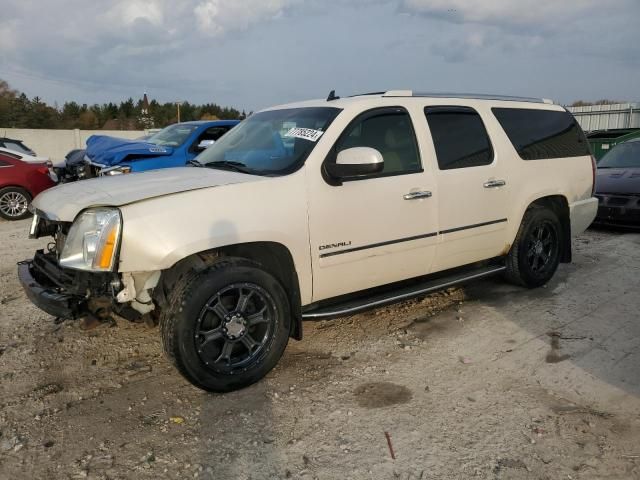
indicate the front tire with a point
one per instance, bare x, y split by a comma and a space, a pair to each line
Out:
226, 328
535, 254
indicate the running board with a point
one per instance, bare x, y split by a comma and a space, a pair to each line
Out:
350, 307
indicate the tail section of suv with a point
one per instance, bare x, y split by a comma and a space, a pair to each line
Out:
314, 210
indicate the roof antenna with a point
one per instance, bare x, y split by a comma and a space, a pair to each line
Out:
332, 96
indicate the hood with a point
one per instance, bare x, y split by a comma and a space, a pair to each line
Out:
618, 180
65, 201
109, 151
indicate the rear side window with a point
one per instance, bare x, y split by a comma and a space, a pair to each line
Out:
16, 147
459, 137
542, 134
213, 133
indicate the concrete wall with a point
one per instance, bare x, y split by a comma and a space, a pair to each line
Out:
55, 144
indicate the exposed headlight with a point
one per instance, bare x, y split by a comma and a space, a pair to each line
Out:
92, 241
119, 170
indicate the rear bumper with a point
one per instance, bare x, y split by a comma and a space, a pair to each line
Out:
582, 214
47, 297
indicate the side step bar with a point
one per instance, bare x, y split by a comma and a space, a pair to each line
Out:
350, 307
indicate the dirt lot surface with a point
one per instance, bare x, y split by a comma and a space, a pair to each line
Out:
489, 381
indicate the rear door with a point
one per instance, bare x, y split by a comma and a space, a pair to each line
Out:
473, 187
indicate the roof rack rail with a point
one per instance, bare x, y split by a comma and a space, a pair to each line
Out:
367, 93
477, 96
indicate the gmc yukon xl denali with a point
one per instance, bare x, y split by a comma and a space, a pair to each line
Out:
315, 210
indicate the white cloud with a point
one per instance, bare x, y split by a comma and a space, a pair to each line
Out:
129, 11
534, 13
216, 17
7, 37
131, 44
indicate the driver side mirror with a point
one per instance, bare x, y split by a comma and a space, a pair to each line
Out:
204, 144
356, 162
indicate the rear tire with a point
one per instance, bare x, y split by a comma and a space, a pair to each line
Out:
535, 253
14, 203
225, 328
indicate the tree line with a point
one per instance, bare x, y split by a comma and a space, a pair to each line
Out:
19, 111
604, 101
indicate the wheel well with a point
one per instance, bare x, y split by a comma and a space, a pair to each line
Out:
277, 260
274, 257
559, 205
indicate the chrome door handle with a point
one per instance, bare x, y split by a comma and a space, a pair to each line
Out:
415, 195
494, 183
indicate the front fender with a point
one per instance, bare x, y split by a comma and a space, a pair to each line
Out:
159, 232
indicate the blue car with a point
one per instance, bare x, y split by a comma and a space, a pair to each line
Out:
173, 146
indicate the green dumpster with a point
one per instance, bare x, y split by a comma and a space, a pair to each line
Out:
602, 141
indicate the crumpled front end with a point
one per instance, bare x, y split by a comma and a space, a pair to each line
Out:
110, 151
70, 293
65, 293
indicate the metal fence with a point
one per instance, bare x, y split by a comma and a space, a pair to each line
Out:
607, 117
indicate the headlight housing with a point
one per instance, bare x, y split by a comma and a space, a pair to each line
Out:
117, 170
93, 239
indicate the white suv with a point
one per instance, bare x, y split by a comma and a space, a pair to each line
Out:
314, 210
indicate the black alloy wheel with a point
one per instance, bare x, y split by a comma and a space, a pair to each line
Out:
542, 244
225, 327
234, 326
536, 250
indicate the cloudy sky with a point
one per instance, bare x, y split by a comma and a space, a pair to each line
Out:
255, 53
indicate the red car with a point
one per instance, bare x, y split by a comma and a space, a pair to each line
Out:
19, 183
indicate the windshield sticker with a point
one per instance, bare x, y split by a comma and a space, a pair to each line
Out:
304, 133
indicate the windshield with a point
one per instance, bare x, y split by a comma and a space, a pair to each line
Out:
624, 155
172, 136
275, 142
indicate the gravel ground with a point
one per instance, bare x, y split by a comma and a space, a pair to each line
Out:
489, 381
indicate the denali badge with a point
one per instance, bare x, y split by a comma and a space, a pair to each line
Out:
335, 245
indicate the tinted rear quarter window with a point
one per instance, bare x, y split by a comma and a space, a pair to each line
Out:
459, 137
542, 134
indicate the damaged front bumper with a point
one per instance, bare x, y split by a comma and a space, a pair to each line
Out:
47, 297
619, 210
64, 292
69, 294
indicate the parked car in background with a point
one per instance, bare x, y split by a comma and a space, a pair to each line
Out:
602, 141
173, 146
20, 182
16, 146
618, 186
315, 210
28, 158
